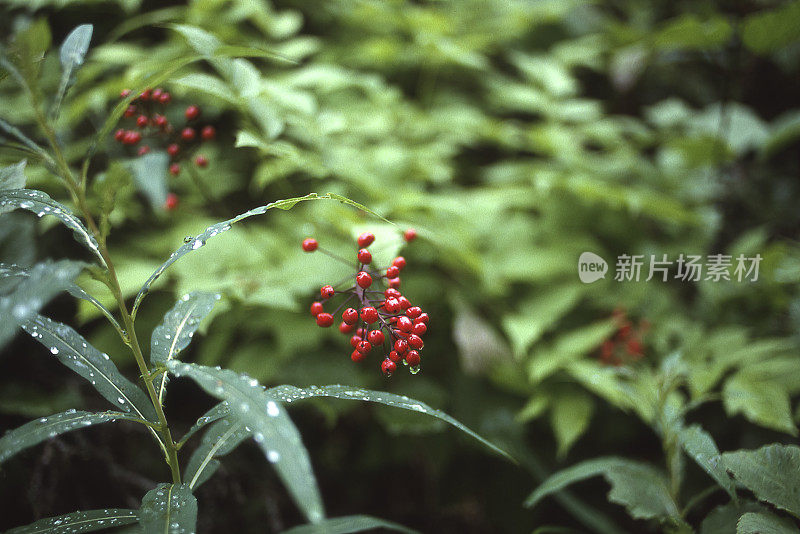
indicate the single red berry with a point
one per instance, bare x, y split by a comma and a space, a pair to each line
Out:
208, 133
119, 135
423, 318
130, 111
400, 334
394, 283
364, 280
376, 337
345, 328
201, 161
192, 112
125, 93
165, 98
324, 319
355, 340
388, 367
187, 134
174, 169
364, 256
410, 235
404, 324
146, 94
419, 329
369, 314
414, 312
361, 332
357, 356
415, 341
366, 239
401, 346
326, 292
156, 94
159, 120
391, 305
316, 308
350, 316
404, 303
172, 201
412, 358
143, 150
634, 347
131, 137
392, 272
364, 347
399, 262
391, 293
173, 150
310, 244
142, 121
393, 356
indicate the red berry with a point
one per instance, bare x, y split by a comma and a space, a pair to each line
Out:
375, 337
350, 316
187, 134
391, 305
410, 235
143, 150
369, 314
393, 356
404, 303
394, 283
404, 324
142, 121
131, 137
146, 94
125, 93
388, 367
173, 150
423, 318
208, 133
401, 346
324, 319
316, 308
364, 347
357, 356
364, 256
634, 347
391, 293
399, 262
364, 280
165, 98
326, 292
174, 169
419, 329
392, 272
119, 135
172, 201
412, 358
366, 239
130, 111
201, 161
192, 112
355, 340
415, 341
414, 312
361, 332
156, 94
345, 328
310, 244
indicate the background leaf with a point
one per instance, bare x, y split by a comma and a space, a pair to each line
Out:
13, 176
765, 523
345, 525
700, 447
770, 473
88, 521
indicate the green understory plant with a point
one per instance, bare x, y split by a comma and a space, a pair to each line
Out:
246, 409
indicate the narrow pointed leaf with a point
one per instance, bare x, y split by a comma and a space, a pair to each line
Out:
45, 428
76, 522
13, 176
41, 204
73, 52
176, 331
764, 523
78, 292
168, 509
699, 446
348, 524
220, 439
24, 139
642, 489
215, 229
292, 393
770, 473
272, 429
216, 413
75, 352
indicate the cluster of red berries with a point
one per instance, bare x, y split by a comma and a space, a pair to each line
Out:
147, 111
382, 318
625, 345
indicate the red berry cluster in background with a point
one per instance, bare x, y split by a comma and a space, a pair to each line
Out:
379, 317
625, 345
150, 126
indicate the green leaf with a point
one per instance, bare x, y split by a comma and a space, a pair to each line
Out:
770, 31
13, 176
272, 429
220, 439
200, 40
76, 522
168, 509
41, 204
765, 523
345, 525
570, 416
215, 229
290, 394
208, 84
75, 352
25, 140
35, 288
700, 447
770, 473
642, 489
73, 51
42, 429
175, 332
216, 413
150, 176
723, 519
762, 402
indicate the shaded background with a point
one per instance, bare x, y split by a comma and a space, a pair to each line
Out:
513, 135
